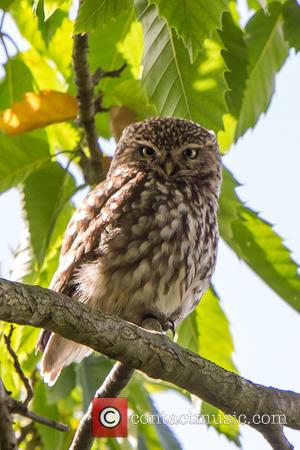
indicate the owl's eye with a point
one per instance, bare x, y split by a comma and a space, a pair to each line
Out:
147, 152
190, 153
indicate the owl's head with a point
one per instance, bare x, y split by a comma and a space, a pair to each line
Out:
171, 148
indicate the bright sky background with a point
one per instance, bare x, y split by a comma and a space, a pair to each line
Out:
266, 330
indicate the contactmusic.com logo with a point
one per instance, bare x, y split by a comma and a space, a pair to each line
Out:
110, 417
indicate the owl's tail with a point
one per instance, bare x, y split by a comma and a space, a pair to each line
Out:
60, 352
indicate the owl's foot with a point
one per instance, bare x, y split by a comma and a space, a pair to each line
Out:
158, 322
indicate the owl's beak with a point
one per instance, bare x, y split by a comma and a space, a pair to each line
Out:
169, 167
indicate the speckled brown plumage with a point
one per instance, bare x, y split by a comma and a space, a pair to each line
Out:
144, 241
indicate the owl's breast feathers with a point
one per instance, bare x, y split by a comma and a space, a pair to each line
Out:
140, 243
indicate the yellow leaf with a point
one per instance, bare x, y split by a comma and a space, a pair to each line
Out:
38, 110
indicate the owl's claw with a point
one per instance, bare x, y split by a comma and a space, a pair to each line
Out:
159, 323
169, 326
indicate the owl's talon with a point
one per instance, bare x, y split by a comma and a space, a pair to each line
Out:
159, 323
169, 326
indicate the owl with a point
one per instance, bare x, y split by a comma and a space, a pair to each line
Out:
144, 242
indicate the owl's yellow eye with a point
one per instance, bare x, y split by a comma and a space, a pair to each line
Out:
190, 153
147, 152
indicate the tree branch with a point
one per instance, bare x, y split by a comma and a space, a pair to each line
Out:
86, 105
150, 352
8, 439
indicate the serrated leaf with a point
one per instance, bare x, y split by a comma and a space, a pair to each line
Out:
193, 20
235, 57
174, 85
215, 340
18, 80
267, 51
93, 15
55, 184
291, 25
221, 422
206, 331
254, 240
20, 155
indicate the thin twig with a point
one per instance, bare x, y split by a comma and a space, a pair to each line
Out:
17, 407
17, 366
100, 74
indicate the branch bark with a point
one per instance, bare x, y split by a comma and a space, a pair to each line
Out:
152, 353
8, 439
92, 167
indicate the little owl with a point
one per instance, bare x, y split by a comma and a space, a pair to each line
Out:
144, 242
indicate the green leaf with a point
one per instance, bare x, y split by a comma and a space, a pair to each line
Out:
51, 438
50, 6
267, 51
235, 57
5, 4
140, 401
43, 71
223, 423
215, 340
193, 20
133, 95
104, 52
103, 46
49, 27
206, 331
17, 81
91, 373
64, 385
167, 438
131, 48
54, 184
291, 25
28, 23
20, 155
174, 85
254, 240
93, 15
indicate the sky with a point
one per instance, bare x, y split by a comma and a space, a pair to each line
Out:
266, 331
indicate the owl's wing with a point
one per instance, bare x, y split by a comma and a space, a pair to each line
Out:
84, 231
83, 234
